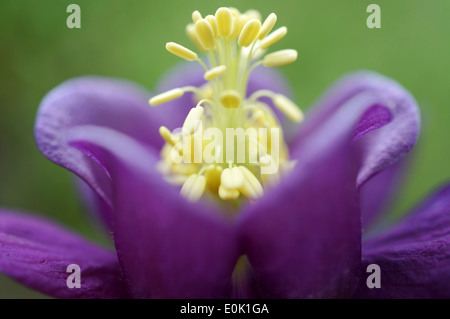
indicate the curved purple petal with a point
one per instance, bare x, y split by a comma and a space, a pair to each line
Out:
37, 252
414, 255
378, 192
303, 237
95, 206
168, 247
391, 115
99, 101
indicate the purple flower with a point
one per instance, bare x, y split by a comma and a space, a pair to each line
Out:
300, 239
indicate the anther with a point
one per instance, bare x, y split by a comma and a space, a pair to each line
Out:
252, 14
166, 96
212, 174
181, 51
228, 194
251, 187
230, 99
238, 24
167, 135
196, 16
288, 107
212, 21
214, 72
232, 178
267, 26
192, 35
274, 37
279, 58
249, 32
192, 121
193, 187
205, 34
224, 19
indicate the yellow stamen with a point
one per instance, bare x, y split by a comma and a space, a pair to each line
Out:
193, 120
235, 44
232, 178
238, 24
214, 72
167, 135
212, 21
251, 187
224, 20
196, 16
288, 107
193, 187
192, 35
166, 96
280, 58
230, 99
181, 51
205, 34
267, 26
253, 14
249, 33
227, 194
274, 37
212, 174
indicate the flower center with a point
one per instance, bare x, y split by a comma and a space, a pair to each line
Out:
231, 145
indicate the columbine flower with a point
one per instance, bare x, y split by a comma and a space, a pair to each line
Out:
233, 231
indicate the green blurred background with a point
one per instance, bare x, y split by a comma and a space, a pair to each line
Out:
126, 39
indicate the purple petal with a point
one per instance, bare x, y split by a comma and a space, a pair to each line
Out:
390, 115
378, 192
168, 247
94, 205
303, 237
120, 105
414, 256
37, 252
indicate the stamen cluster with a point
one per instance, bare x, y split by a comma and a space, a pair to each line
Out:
234, 44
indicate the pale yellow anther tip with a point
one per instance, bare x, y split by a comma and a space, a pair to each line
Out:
230, 99
196, 16
224, 19
251, 187
212, 174
253, 14
265, 160
232, 178
212, 21
166, 96
205, 34
249, 32
181, 51
193, 120
279, 58
274, 37
193, 187
192, 35
288, 107
228, 194
214, 72
267, 26
167, 135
